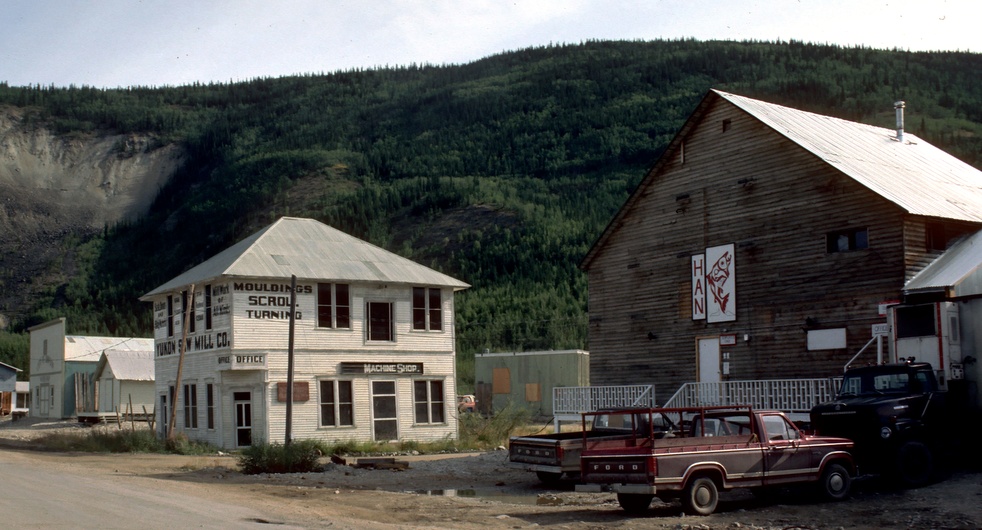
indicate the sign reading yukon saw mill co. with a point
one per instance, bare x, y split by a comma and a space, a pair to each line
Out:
382, 368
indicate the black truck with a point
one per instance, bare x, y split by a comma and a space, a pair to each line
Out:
896, 415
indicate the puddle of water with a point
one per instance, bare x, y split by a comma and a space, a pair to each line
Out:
537, 499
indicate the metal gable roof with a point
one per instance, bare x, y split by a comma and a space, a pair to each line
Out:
127, 365
311, 250
913, 174
89, 349
958, 269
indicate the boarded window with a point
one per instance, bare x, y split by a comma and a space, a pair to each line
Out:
533, 392
301, 392
501, 381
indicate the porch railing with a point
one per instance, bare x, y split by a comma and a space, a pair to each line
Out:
788, 395
569, 402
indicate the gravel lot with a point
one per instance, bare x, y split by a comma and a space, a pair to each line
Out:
479, 490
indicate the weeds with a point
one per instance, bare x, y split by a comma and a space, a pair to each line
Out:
144, 441
302, 456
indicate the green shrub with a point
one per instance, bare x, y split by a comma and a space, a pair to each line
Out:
479, 432
301, 456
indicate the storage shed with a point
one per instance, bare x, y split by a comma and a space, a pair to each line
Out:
63, 368
8, 388
527, 379
125, 383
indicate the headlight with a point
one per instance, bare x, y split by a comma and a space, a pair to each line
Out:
885, 432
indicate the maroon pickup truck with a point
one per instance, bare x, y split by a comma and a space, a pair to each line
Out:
712, 449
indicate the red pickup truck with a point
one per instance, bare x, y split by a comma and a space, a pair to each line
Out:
710, 449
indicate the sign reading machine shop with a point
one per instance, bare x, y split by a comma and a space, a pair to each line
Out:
382, 368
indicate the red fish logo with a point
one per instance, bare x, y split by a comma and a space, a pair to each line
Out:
717, 278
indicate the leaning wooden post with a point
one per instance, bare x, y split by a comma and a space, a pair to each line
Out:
180, 363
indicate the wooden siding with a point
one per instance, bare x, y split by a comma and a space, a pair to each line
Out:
319, 353
751, 187
917, 255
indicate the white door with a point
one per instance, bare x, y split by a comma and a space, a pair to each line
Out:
708, 371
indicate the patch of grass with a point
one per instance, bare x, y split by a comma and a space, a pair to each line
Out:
479, 433
301, 456
122, 441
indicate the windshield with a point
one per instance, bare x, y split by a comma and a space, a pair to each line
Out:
874, 384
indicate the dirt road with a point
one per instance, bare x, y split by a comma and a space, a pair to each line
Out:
486, 494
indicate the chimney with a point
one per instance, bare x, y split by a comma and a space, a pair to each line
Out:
899, 107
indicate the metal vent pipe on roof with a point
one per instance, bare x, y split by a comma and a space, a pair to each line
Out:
899, 107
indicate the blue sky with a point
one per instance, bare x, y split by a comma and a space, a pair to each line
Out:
119, 43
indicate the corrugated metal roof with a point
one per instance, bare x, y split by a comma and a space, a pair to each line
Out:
127, 365
311, 250
89, 349
11, 368
913, 174
958, 269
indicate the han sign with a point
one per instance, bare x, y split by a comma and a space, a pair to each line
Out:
714, 285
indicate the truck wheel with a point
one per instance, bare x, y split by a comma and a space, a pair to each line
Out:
835, 482
634, 502
915, 464
700, 496
548, 478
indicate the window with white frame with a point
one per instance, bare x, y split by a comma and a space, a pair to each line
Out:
429, 401
333, 305
381, 325
210, 403
337, 406
427, 309
191, 406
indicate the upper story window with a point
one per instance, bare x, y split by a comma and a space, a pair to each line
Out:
380, 321
170, 316
427, 309
847, 240
936, 237
333, 305
208, 307
190, 308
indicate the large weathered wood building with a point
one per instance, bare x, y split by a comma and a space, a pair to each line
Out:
767, 243
373, 342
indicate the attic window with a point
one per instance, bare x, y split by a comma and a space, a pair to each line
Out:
935, 237
847, 240
280, 260
726, 124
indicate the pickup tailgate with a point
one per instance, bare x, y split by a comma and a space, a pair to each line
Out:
547, 450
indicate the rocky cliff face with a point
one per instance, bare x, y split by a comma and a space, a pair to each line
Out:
55, 189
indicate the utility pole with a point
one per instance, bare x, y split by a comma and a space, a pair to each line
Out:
180, 363
289, 362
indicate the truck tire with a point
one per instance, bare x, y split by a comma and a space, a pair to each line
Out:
548, 478
835, 483
915, 464
700, 496
634, 502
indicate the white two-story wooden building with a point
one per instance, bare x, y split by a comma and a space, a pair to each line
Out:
373, 342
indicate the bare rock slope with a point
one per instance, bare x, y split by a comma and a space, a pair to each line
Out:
56, 188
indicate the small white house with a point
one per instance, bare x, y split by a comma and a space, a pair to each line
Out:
373, 342
125, 382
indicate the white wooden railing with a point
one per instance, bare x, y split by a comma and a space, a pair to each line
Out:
569, 402
788, 395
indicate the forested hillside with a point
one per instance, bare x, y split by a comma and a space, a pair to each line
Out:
501, 172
